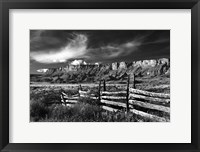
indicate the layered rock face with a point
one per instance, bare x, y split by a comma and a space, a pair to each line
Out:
117, 71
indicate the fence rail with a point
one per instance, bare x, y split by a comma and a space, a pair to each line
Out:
113, 93
127, 99
150, 106
113, 98
108, 102
150, 94
139, 113
148, 99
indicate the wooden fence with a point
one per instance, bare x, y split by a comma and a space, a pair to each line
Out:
68, 101
130, 100
137, 98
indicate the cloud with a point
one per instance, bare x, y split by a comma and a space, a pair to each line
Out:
112, 52
77, 47
74, 48
42, 70
55, 47
78, 62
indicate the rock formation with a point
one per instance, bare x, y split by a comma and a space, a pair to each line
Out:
116, 71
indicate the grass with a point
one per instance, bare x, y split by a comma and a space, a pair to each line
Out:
159, 84
45, 104
80, 112
44, 109
83, 112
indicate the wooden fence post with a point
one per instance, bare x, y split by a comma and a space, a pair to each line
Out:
134, 81
79, 89
63, 99
99, 91
127, 94
104, 85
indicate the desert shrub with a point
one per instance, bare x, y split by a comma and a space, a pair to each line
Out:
112, 88
46, 96
119, 116
79, 112
88, 100
51, 98
87, 112
38, 110
94, 90
59, 112
70, 92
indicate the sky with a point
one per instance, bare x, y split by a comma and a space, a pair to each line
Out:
56, 48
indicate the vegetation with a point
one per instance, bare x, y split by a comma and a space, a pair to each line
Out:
45, 106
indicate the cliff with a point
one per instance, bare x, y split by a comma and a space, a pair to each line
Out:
117, 71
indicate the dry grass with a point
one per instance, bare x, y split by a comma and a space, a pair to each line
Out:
45, 103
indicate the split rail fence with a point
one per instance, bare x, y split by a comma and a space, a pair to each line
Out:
127, 100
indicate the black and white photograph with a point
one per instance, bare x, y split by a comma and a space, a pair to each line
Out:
99, 75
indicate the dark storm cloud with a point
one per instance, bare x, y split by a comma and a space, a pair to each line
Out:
59, 46
41, 40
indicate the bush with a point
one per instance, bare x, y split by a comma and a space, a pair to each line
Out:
38, 110
88, 100
87, 112
59, 112
79, 113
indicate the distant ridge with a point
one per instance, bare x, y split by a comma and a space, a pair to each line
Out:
116, 71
